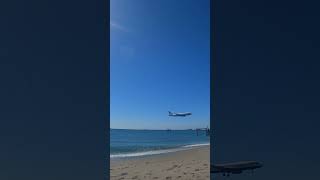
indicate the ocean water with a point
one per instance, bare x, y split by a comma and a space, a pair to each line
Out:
134, 143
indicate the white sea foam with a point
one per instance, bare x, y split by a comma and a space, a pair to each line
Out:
155, 152
196, 145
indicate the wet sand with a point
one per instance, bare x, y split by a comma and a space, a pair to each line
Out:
183, 165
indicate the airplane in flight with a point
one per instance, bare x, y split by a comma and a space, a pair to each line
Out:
235, 167
179, 114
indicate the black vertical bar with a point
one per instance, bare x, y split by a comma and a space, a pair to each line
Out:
212, 78
107, 89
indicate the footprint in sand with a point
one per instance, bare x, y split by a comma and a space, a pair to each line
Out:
155, 177
123, 174
168, 177
174, 166
135, 177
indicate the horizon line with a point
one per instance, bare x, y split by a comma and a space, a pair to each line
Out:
154, 129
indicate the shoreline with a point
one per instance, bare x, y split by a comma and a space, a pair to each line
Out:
192, 163
156, 152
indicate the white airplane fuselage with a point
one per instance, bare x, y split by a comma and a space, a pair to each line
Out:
180, 114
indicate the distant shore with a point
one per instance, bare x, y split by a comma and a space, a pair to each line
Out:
182, 165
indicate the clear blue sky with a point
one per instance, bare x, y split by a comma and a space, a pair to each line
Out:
160, 56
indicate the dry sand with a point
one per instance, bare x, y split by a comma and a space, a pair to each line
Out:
183, 165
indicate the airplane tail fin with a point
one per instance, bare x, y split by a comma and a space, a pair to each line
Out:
170, 113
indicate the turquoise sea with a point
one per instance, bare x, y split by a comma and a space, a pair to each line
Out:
135, 143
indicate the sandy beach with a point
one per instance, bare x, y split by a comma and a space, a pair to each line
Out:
182, 165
